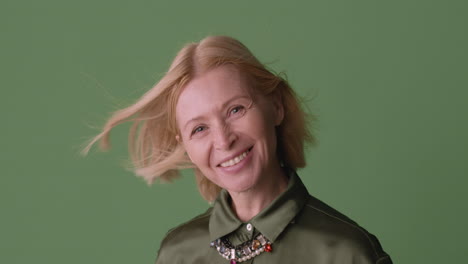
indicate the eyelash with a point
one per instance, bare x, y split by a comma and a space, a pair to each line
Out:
196, 130
239, 108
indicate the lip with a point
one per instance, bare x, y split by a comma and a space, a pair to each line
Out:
239, 165
235, 155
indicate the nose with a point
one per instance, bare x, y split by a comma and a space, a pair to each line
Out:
224, 137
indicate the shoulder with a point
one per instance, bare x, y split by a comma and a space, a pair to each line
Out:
192, 227
341, 234
185, 238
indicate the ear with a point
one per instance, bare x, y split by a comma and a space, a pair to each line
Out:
279, 109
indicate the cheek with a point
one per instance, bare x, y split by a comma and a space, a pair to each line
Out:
198, 154
265, 132
263, 127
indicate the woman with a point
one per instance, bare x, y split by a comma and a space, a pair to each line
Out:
221, 112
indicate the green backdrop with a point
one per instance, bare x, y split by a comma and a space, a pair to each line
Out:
387, 80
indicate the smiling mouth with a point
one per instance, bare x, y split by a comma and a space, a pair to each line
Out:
235, 160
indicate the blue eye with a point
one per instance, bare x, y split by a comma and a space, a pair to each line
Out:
237, 109
198, 129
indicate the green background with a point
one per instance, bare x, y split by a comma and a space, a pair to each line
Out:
387, 80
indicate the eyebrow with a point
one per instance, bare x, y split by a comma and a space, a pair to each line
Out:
222, 107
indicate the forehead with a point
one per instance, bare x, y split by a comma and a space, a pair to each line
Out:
224, 79
209, 91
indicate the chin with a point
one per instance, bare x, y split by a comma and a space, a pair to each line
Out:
239, 186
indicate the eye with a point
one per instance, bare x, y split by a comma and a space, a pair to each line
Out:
198, 129
237, 110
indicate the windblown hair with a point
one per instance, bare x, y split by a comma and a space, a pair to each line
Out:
154, 150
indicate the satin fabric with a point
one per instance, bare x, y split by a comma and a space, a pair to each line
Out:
302, 229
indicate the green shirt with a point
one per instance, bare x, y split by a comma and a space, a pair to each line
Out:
301, 229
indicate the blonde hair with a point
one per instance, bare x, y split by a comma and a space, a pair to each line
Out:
154, 150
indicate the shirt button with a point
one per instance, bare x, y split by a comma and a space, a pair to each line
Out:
249, 227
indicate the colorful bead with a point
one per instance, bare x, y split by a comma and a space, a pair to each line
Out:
222, 249
247, 250
242, 252
261, 239
255, 244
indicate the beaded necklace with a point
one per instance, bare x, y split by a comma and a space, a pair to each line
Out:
245, 251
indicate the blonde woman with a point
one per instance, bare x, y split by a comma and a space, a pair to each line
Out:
240, 127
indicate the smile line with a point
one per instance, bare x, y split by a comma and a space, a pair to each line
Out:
235, 160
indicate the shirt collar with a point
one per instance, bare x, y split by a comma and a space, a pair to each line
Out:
271, 221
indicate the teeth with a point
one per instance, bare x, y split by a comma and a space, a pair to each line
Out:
235, 160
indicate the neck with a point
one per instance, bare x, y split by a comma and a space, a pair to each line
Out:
249, 203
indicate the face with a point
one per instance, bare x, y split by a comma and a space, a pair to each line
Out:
227, 130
